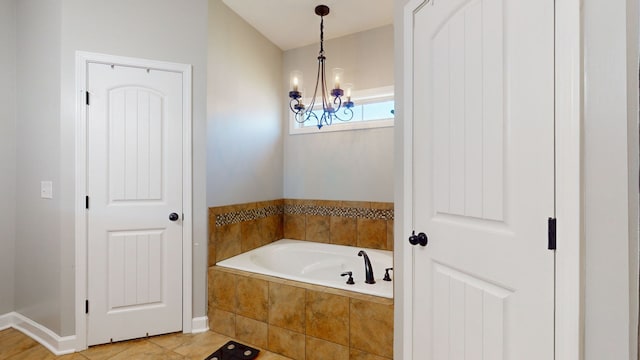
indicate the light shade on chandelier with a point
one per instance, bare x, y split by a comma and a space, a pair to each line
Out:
332, 109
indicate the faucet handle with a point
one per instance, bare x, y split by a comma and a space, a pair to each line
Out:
350, 279
386, 274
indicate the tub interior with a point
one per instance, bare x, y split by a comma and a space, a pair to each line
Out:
316, 263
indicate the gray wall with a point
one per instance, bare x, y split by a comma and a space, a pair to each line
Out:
244, 135
611, 178
38, 245
8, 151
49, 33
345, 165
167, 30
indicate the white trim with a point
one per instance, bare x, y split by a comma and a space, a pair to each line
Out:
6, 321
199, 325
82, 61
569, 331
403, 252
361, 96
59, 345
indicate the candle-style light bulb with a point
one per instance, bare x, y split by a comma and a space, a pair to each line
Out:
296, 80
337, 77
348, 89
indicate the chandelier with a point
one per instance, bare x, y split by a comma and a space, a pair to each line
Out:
332, 110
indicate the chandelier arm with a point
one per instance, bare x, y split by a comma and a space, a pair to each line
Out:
325, 103
348, 113
309, 112
292, 106
337, 101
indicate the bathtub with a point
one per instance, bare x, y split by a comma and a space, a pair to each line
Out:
317, 263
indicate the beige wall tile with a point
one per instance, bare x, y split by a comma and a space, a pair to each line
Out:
252, 298
210, 303
371, 327
288, 343
286, 307
290, 201
356, 204
327, 317
228, 241
279, 221
382, 205
268, 229
318, 228
372, 233
390, 239
211, 253
251, 236
211, 244
328, 203
318, 349
222, 290
222, 322
294, 226
343, 231
251, 331
263, 204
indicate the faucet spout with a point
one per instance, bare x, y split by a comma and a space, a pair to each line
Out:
368, 270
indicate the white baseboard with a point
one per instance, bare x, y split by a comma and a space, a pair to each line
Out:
59, 345
62, 345
199, 325
6, 321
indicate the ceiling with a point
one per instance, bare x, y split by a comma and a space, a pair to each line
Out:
293, 23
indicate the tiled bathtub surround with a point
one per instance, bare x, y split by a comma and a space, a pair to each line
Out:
235, 229
353, 223
297, 320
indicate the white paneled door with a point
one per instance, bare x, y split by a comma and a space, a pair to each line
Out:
482, 113
134, 183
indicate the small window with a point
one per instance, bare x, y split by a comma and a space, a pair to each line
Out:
373, 108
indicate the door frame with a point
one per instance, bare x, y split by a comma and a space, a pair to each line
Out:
569, 303
83, 59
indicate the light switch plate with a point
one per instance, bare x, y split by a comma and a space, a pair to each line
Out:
46, 189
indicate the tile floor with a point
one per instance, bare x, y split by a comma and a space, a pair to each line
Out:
14, 345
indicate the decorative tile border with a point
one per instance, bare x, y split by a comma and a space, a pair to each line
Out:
350, 212
248, 215
234, 217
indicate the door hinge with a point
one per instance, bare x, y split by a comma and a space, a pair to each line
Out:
86, 202
86, 97
552, 234
86, 306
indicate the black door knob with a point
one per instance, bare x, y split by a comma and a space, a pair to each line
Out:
174, 217
421, 239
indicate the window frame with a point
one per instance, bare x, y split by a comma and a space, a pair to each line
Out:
360, 97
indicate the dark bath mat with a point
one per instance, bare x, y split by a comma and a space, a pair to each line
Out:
234, 351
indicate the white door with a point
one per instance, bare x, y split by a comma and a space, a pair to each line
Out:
134, 183
483, 179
